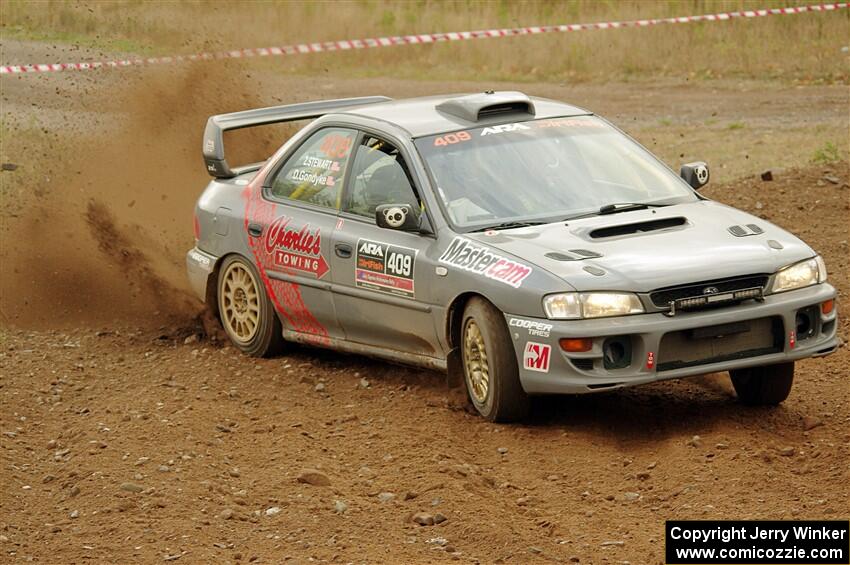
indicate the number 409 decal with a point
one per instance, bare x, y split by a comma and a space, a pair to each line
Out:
452, 138
383, 267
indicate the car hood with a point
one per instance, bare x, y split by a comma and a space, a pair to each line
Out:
644, 250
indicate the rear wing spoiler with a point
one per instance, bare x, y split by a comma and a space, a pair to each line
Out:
216, 126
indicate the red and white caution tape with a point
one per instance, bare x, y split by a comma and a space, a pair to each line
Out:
350, 44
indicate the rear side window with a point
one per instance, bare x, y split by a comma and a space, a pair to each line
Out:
314, 173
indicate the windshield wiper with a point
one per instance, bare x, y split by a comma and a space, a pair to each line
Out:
627, 207
618, 207
509, 225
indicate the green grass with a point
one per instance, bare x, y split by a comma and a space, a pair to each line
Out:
828, 153
804, 49
96, 42
736, 125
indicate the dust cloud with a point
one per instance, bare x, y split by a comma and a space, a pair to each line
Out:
99, 225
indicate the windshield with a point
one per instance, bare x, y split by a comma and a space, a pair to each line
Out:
543, 171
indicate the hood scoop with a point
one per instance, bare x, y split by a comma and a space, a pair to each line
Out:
638, 227
744, 231
573, 255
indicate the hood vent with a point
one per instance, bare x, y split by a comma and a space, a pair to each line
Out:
574, 255
744, 231
476, 107
640, 227
506, 108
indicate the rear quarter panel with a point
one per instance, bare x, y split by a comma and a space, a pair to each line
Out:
221, 216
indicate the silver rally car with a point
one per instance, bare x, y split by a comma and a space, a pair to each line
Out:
524, 244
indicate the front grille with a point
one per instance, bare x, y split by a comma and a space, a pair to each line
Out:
664, 296
583, 364
739, 340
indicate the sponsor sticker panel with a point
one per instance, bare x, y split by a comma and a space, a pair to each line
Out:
536, 357
387, 268
534, 327
464, 254
200, 258
297, 249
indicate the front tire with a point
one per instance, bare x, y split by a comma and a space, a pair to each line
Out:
763, 386
489, 364
245, 310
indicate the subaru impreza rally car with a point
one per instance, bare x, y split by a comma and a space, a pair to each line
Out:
524, 245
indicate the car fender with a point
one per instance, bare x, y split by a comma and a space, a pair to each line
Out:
523, 297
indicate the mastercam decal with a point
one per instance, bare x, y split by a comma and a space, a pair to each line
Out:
465, 255
387, 268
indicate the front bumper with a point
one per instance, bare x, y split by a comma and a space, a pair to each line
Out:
545, 368
199, 267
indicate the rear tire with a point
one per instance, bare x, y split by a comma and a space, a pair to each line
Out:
763, 386
489, 364
247, 314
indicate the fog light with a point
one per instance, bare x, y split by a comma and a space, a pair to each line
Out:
804, 325
617, 352
576, 344
826, 307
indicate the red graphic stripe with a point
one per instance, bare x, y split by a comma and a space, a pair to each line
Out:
285, 296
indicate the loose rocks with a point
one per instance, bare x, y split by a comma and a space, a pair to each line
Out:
313, 477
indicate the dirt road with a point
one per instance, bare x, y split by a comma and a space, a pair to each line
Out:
121, 442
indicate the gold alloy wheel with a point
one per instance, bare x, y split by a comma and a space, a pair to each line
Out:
240, 303
475, 357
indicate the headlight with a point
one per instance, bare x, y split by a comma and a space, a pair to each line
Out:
575, 305
800, 275
564, 306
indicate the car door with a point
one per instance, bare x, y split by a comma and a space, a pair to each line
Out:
380, 275
293, 235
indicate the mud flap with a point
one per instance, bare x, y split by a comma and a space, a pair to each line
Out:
454, 369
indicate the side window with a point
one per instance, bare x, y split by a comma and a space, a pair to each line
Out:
380, 176
314, 173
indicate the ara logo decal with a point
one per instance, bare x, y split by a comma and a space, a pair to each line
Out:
463, 254
502, 129
371, 248
536, 357
299, 249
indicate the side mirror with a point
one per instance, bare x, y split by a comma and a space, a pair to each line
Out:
397, 217
695, 174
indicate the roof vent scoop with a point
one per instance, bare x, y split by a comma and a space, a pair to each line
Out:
475, 107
